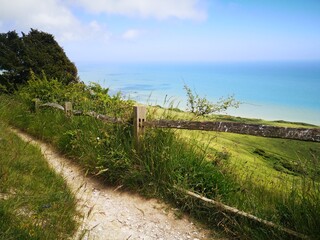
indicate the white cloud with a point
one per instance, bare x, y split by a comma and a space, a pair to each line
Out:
95, 26
57, 18
131, 34
159, 9
52, 16
49, 15
87, 34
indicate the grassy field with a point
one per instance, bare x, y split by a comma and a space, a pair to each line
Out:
271, 178
35, 203
268, 160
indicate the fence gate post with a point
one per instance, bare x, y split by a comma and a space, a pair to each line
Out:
68, 108
36, 104
139, 118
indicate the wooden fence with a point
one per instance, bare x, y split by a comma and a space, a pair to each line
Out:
140, 122
304, 134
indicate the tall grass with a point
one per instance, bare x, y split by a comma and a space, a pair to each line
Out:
35, 203
166, 160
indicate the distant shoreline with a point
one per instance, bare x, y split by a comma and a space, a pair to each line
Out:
272, 90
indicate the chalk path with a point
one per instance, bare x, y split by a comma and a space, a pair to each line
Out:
110, 214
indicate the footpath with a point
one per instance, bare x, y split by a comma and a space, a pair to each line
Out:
111, 214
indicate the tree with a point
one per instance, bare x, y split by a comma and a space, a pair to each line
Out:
202, 106
37, 51
11, 62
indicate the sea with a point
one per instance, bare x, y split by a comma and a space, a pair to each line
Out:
287, 91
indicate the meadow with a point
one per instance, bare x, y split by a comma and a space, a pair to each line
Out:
274, 179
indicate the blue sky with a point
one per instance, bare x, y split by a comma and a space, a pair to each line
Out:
173, 30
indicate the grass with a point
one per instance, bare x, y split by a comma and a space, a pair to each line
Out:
270, 178
35, 203
278, 178
268, 159
177, 114
265, 159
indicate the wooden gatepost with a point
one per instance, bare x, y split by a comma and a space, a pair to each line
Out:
68, 108
139, 118
36, 104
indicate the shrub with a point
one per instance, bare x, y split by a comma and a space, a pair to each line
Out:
90, 97
202, 106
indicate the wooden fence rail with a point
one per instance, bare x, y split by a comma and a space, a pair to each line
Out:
304, 134
140, 122
238, 212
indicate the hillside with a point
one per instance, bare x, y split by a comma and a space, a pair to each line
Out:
274, 179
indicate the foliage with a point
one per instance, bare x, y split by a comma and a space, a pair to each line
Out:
202, 106
90, 97
37, 51
42, 88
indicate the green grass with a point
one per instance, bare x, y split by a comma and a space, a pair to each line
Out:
35, 203
278, 178
268, 160
271, 178
176, 114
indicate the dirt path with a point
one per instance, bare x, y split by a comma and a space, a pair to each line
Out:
109, 214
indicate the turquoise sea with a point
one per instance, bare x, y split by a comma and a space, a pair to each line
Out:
268, 90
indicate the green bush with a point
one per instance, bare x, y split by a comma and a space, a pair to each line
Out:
46, 90
202, 106
84, 98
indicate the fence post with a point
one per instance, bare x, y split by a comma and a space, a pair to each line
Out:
139, 118
36, 104
68, 108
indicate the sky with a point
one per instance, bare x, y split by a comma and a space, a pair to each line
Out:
172, 30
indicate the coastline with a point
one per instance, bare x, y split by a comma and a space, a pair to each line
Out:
268, 91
